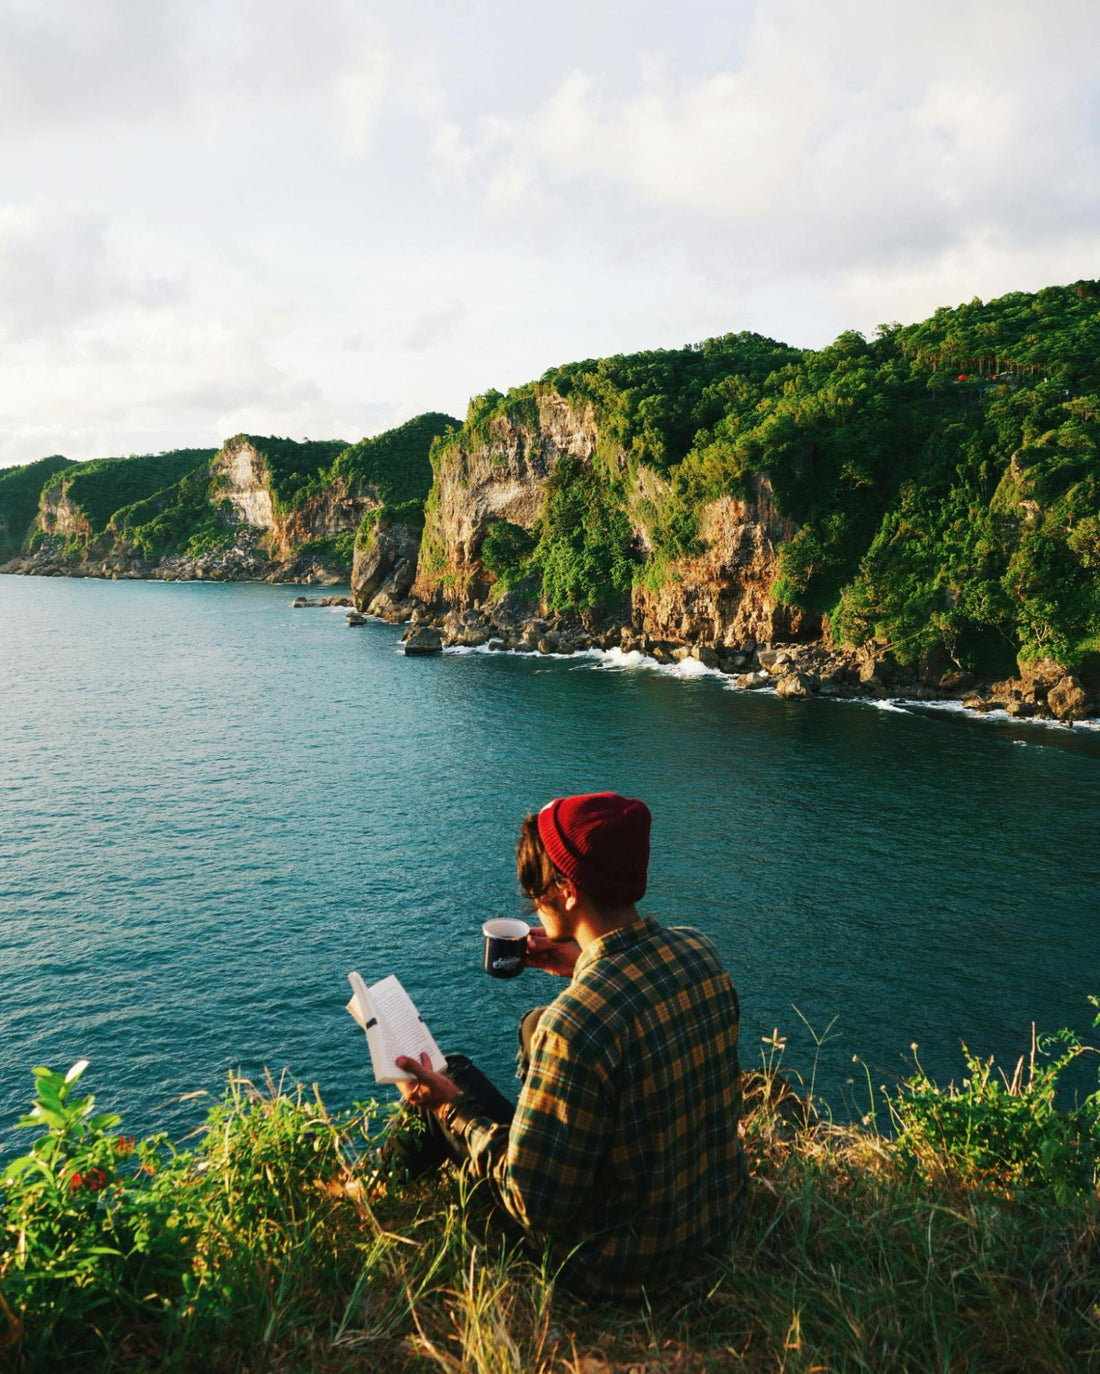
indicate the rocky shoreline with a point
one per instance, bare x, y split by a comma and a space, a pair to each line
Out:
1044, 690
796, 669
246, 560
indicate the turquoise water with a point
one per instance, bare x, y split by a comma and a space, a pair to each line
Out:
214, 806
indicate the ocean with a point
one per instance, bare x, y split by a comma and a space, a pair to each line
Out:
212, 807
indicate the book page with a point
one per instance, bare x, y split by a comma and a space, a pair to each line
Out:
403, 1029
393, 1026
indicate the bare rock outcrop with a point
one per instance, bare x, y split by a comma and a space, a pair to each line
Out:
59, 516
723, 596
384, 564
1067, 699
242, 476
500, 476
333, 511
422, 641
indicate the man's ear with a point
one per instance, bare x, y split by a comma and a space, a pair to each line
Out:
568, 889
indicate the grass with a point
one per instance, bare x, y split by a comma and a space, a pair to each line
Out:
277, 1245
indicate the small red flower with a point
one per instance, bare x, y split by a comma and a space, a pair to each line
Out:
76, 1182
95, 1179
124, 1144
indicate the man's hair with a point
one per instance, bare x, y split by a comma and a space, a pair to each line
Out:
534, 867
536, 870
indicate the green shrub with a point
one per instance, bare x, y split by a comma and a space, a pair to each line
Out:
585, 554
91, 1238
340, 549
189, 518
506, 551
1004, 1133
395, 464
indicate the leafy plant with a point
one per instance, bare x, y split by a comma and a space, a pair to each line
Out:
1000, 1132
87, 1242
585, 553
506, 551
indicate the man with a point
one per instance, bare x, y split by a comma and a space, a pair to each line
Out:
623, 1150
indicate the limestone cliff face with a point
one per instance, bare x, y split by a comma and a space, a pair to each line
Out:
58, 515
334, 511
384, 567
241, 472
723, 596
500, 477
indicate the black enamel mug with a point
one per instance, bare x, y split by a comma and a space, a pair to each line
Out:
505, 946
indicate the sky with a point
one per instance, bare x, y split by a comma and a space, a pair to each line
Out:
320, 219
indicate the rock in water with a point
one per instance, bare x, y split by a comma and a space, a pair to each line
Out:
424, 640
307, 601
794, 685
1068, 699
354, 618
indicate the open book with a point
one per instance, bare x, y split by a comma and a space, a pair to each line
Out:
393, 1026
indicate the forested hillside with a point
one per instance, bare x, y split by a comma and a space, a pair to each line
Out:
259, 497
942, 479
19, 492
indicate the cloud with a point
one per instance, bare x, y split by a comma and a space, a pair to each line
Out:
361, 90
846, 133
430, 327
58, 271
319, 219
68, 63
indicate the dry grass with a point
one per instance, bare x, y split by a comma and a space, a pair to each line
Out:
852, 1255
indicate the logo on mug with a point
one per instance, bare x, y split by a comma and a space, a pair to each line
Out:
513, 962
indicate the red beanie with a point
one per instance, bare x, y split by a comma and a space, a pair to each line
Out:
601, 842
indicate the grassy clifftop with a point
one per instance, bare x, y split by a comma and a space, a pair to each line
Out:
954, 1228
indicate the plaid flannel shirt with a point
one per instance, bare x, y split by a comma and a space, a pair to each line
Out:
624, 1147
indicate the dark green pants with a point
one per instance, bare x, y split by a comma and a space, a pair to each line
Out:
418, 1143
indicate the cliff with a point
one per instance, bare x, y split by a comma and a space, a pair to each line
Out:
59, 516
300, 533
493, 471
499, 472
20, 489
922, 508
260, 507
724, 594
